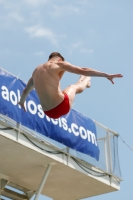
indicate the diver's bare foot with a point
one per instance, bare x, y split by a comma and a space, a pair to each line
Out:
85, 78
81, 78
89, 82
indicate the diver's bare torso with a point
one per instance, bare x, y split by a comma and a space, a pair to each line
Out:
46, 79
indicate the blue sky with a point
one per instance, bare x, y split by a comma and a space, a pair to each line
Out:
88, 33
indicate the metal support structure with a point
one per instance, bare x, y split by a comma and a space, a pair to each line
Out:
68, 155
30, 194
43, 181
3, 183
106, 154
109, 152
18, 132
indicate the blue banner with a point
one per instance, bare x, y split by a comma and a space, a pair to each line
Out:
73, 130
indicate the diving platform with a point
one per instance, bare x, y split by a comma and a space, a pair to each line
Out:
25, 157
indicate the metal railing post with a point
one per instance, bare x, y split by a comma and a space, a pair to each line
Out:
106, 154
109, 152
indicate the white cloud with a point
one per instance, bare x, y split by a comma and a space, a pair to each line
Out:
15, 16
10, 13
76, 45
83, 2
89, 4
36, 31
73, 46
61, 10
39, 53
8, 21
36, 2
10, 6
84, 50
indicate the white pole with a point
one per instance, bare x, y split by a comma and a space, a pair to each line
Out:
109, 153
43, 181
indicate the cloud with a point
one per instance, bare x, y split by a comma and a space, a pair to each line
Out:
39, 32
2, 2
84, 50
8, 21
15, 16
74, 46
10, 13
89, 4
39, 53
36, 2
61, 10
10, 6
78, 46
83, 2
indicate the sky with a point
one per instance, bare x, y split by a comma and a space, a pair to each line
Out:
88, 33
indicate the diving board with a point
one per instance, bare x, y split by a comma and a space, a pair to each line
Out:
24, 164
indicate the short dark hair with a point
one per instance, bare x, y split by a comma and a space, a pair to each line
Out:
56, 54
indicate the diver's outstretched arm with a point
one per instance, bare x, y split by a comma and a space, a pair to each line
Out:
26, 91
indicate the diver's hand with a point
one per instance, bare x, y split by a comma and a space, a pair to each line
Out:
22, 105
112, 76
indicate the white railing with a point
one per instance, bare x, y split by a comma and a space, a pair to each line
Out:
109, 150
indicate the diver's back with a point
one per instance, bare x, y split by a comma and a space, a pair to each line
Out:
46, 82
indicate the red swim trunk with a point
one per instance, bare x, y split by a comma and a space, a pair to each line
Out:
62, 109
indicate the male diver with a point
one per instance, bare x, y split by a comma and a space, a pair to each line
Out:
46, 81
